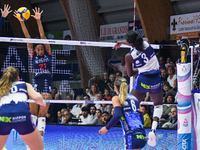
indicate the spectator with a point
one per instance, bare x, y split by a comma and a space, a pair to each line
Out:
76, 109
118, 74
167, 89
147, 119
59, 118
163, 75
54, 92
169, 99
87, 90
172, 78
93, 114
99, 98
107, 94
111, 84
67, 117
62, 113
86, 118
48, 116
104, 84
172, 121
87, 98
168, 62
106, 117
162, 63
105, 107
93, 92
69, 97
99, 117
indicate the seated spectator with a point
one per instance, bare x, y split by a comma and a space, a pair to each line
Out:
76, 109
111, 84
53, 92
168, 62
86, 98
99, 117
118, 74
164, 75
147, 119
87, 90
107, 95
69, 97
86, 118
172, 121
167, 89
93, 114
105, 107
62, 113
162, 62
172, 78
105, 82
169, 99
99, 98
67, 117
93, 92
48, 117
59, 118
106, 117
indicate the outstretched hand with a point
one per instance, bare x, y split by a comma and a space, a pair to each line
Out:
117, 45
6, 10
15, 15
103, 131
37, 12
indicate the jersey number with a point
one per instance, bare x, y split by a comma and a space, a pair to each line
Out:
133, 105
14, 89
144, 57
42, 66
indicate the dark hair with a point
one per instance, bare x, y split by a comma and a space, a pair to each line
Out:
167, 84
171, 67
134, 38
169, 94
105, 112
99, 110
85, 109
54, 88
144, 107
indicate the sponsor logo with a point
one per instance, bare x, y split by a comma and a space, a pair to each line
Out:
184, 144
82, 42
174, 23
125, 103
5, 119
19, 119
16, 40
145, 86
185, 123
51, 41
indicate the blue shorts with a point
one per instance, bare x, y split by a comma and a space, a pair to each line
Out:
21, 122
135, 141
148, 83
42, 85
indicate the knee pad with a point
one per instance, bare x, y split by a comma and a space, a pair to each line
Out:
34, 119
158, 110
41, 123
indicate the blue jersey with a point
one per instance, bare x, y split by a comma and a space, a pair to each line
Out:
15, 101
132, 119
42, 66
145, 61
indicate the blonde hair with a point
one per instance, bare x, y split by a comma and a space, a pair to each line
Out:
10, 75
121, 84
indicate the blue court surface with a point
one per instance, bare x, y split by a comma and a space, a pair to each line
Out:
61, 137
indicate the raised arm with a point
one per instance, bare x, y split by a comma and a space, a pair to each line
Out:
37, 17
4, 14
37, 97
129, 68
26, 34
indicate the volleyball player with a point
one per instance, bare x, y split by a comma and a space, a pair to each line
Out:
143, 57
4, 14
127, 108
41, 59
14, 111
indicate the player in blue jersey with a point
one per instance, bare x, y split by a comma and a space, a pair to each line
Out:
143, 57
126, 107
41, 58
14, 110
4, 14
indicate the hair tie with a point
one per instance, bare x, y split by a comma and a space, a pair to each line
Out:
9, 71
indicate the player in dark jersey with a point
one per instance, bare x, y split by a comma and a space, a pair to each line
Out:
127, 111
41, 58
4, 14
143, 57
14, 110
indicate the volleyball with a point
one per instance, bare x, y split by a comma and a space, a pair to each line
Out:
23, 13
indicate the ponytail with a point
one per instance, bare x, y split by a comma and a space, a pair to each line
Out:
10, 75
123, 92
139, 44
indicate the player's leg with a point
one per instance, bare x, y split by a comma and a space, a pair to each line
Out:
34, 111
138, 95
3, 139
42, 114
33, 140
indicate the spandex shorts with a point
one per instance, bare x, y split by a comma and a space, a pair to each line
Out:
42, 85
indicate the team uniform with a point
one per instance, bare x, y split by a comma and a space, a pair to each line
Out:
14, 111
42, 81
148, 79
133, 124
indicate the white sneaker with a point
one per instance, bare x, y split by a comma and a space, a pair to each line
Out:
152, 138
